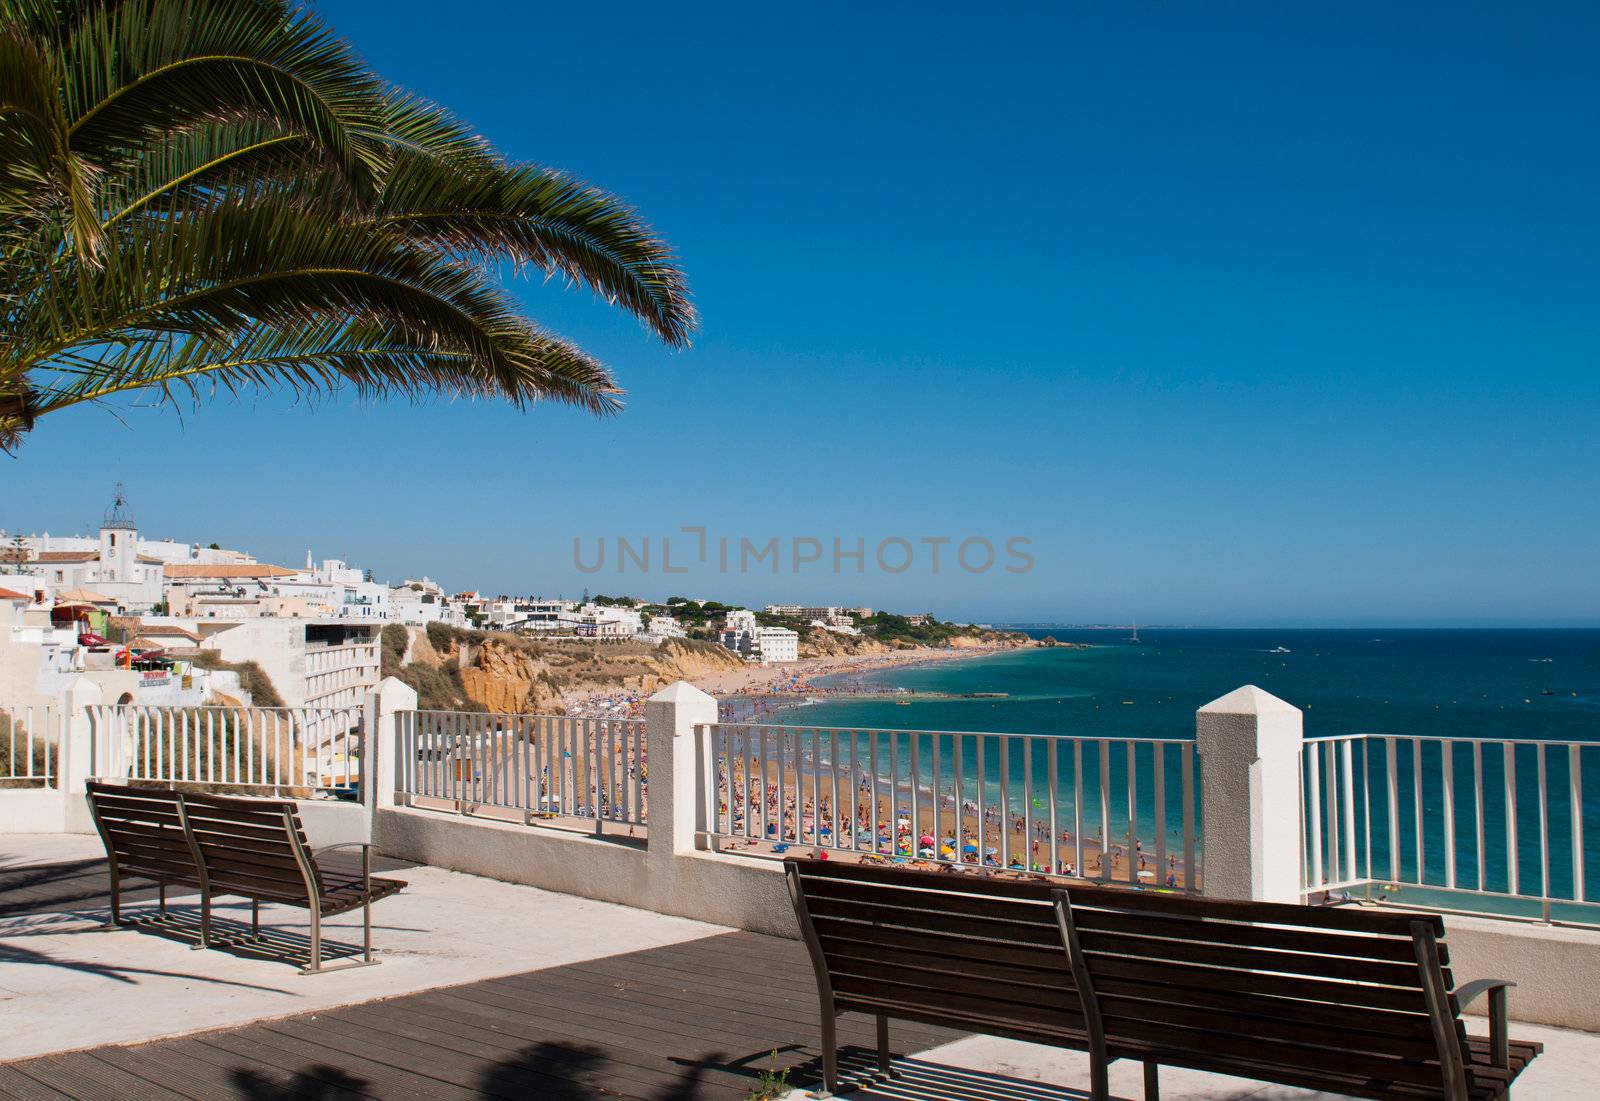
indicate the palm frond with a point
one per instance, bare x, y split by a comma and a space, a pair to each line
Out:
38, 170
202, 197
137, 71
198, 162
373, 358
538, 216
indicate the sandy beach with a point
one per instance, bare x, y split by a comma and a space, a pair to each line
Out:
758, 690
760, 680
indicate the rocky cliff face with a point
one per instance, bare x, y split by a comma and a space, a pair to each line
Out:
506, 678
508, 674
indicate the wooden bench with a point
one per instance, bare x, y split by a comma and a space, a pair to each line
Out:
257, 849
979, 953
1339, 999
142, 829
251, 848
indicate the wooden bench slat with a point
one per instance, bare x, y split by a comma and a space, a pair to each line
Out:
1262, 1049
907, 917
1415, 1043
997, 1009
935, 902
1325, 942
1097, 946
986, 885
1284, 914
1030, 1031
1013, 985
1209, 978
1315, 1012
255, 864
1047, 959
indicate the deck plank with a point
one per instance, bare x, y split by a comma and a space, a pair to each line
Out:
687, 1022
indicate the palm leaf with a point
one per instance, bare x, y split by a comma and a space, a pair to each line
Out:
538, 216
136, 71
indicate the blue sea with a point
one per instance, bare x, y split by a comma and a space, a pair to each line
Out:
1523, 685
1416, 683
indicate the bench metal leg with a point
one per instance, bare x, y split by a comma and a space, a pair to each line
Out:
366, 932
1152, 1082
205, 920
316, 941
830, 1054
1099, 1079
255, 918
161, 896
884, 1067
116, 898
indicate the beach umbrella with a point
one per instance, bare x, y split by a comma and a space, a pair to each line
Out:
925, 839
969, 848
925, 852
990, 852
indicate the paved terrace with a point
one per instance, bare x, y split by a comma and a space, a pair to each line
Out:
487, 990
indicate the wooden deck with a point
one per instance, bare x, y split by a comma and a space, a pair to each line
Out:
695, 1021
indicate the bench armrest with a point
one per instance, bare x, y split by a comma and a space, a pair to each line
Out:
366, 858
1499, 1041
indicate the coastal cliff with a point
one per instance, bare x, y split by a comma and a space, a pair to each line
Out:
818, 643
453, 668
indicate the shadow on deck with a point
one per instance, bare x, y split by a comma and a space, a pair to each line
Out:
691, 1021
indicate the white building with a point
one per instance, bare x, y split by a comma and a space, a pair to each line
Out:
111, 563
767, 645
822, 615
420, 602
333, 590
741, 620
531, 615
665, 627
775, 645
323, 663
605, 621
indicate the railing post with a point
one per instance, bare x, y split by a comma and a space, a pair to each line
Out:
382, 768
1249, 744
76, 761
677, 765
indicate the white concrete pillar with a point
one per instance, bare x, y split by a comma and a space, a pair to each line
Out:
79, 759
679, 777
1249, 745
382, 763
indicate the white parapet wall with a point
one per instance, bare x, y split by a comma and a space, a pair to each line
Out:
740, 892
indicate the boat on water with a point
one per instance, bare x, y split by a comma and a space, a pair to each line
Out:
1280, 650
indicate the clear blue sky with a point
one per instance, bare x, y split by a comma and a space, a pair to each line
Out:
1240, 313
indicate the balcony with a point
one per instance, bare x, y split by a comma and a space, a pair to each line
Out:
571, 929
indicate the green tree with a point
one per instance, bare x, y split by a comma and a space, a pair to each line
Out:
214, 196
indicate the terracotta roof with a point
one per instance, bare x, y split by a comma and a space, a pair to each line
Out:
7, 594
66, 556
166, 630
152, 560
254, 569
84, 596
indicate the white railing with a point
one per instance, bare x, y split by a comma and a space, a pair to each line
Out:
532, 767
30, 747
1473, 824
1114, 810
280, 748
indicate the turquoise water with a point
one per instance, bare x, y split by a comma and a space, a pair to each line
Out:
1495, 684
1425, 683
